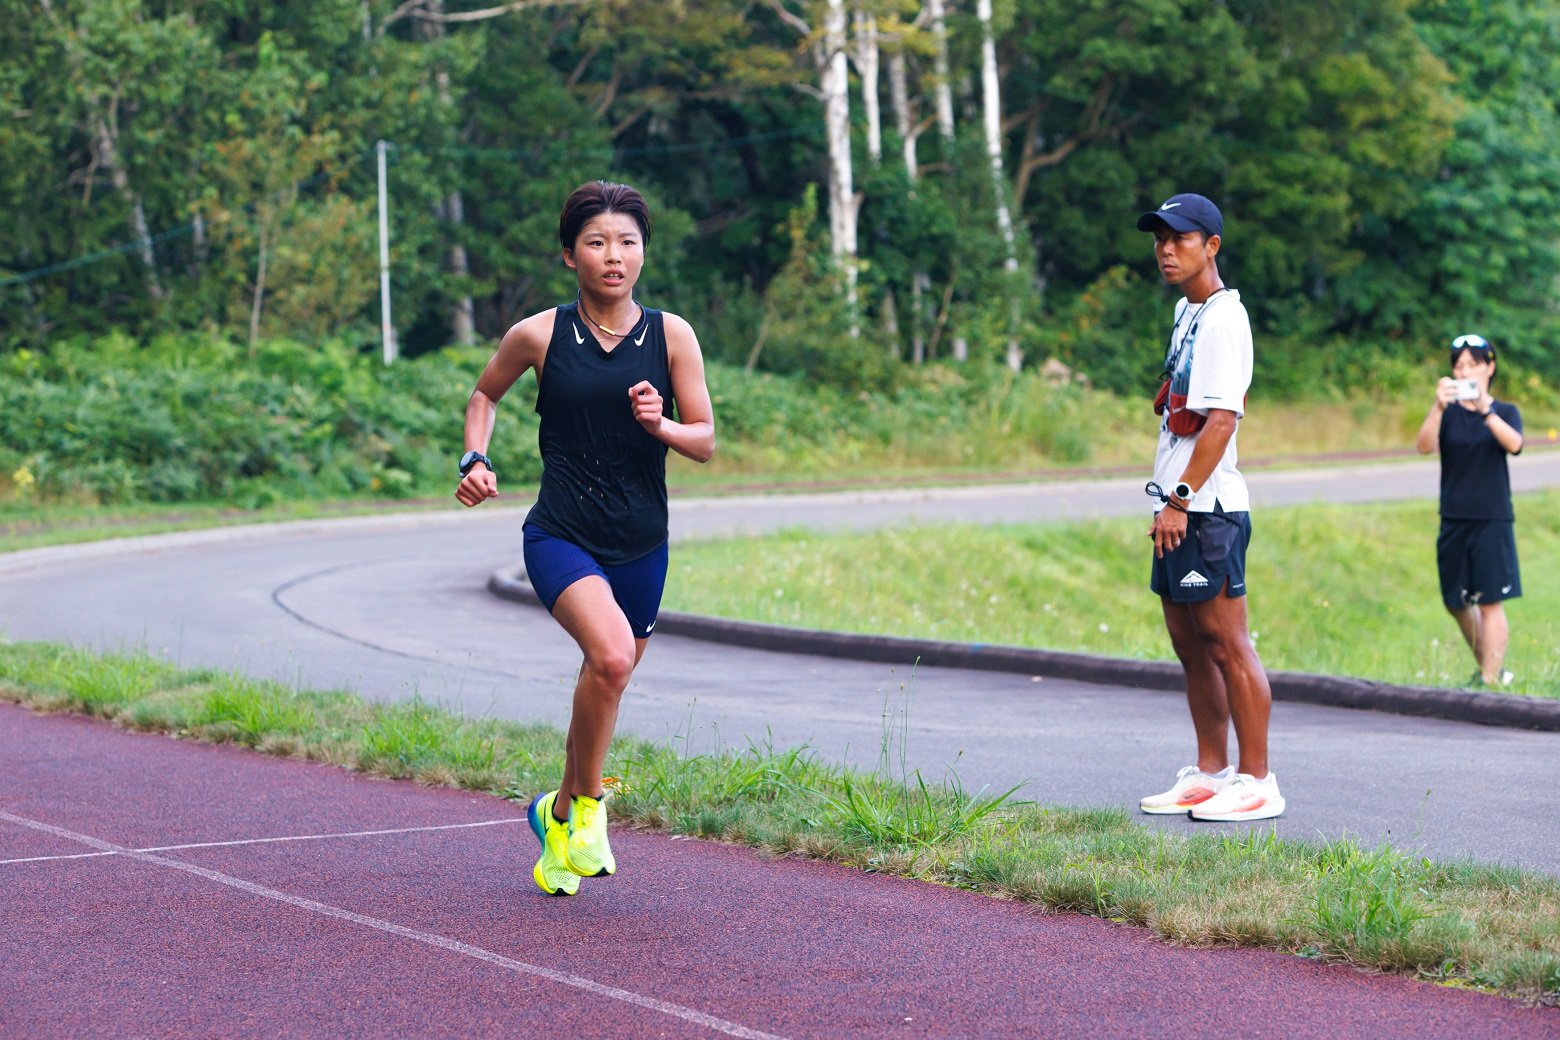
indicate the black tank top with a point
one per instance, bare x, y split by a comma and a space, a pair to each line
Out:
603, 476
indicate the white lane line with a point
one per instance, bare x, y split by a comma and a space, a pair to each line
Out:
287, 837
47, 859
686, 1014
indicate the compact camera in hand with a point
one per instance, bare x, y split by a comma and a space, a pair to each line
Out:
1467, 390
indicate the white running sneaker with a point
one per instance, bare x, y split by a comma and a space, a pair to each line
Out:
1192, 788
1245, 798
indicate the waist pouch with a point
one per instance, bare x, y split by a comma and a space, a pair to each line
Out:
1182, 421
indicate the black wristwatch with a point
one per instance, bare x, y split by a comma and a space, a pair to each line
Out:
1183, 491
471, 458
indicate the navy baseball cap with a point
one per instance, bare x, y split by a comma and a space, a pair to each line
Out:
1185, 213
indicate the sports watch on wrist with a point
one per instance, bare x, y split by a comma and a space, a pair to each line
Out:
1183, 491
471, 458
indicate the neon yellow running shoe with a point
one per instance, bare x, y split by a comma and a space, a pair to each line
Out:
589, 855
551, 872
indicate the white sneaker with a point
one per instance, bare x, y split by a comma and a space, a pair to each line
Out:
1192, 788
1244, 798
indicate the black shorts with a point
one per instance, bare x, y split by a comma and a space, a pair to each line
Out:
1210, 557
1478, 562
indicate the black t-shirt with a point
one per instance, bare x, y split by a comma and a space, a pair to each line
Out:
1475, 484
603, 476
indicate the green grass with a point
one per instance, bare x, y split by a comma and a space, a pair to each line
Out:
1343, 590
1460, 923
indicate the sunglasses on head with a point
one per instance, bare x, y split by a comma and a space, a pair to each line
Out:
1471, 342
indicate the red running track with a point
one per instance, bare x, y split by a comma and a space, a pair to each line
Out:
431, 933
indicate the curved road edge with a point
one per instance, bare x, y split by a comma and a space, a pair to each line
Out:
1488, 709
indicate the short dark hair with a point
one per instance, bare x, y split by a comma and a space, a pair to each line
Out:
592, 199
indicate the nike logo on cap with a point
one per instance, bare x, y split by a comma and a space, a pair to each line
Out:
1169, 205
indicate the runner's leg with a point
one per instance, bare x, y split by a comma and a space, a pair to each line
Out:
588, 612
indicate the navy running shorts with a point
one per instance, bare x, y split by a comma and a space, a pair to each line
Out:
1211, 556
552, 564
1478, 562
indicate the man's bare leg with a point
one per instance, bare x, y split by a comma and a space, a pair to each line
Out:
1205, 690
1494, 633
1468, 624
1222, 629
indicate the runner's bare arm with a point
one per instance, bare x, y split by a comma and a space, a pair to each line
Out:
523, 347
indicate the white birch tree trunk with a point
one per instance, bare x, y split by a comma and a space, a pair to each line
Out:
937, 11
836, 117
463, 317
107, 151
867, 64
992, 110
904, 122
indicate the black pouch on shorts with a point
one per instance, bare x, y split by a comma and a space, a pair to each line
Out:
1216, 534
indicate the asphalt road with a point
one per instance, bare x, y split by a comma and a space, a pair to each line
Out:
395, 606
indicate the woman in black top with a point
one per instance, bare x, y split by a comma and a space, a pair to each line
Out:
611, 375
1476, 549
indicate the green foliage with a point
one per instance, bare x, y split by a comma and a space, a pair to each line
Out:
1390, 170
807, 324
198, 419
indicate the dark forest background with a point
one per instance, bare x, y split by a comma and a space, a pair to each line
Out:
1389, 170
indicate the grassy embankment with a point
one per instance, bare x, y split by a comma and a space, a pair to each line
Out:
1458, 923
1342, 590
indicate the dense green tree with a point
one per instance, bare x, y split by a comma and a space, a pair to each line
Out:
1480, 246
1389, 168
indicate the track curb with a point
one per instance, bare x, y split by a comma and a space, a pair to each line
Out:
1485, 709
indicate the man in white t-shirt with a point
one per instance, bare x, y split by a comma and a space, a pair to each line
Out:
1202, 524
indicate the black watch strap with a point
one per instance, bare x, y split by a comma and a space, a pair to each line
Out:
471, 458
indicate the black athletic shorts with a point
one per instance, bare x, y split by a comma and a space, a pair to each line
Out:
1478, 562
1212, 554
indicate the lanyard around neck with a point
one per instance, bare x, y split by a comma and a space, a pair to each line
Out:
1176, 353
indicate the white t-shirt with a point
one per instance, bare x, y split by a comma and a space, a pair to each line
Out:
1214, 367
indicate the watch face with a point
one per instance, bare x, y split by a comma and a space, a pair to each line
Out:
1183, 490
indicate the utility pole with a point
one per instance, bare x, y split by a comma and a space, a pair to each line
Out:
387, 331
